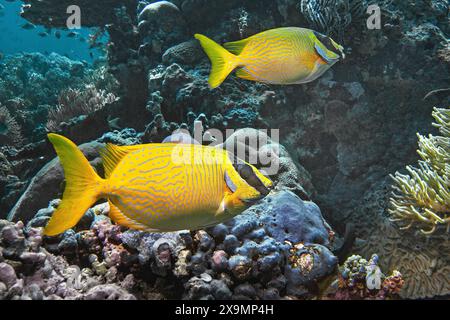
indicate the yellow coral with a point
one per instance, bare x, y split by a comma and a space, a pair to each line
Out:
422, 197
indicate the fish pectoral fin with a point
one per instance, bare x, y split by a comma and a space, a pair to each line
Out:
222, 208
244, 74
227, 199
118, 217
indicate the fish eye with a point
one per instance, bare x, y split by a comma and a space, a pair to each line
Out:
245, 171
322, 38
330, 44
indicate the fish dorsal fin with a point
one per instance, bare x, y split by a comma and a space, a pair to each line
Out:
112, 155
236, 47
244, 74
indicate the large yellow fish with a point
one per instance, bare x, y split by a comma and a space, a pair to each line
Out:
278, 56
156, 187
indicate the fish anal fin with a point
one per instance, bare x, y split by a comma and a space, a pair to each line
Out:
112, 155
244, 74
118, 217
236, 47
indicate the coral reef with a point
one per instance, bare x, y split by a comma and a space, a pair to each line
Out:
362, 279
10, 133
161, 25
422, 196
29, 88
46, 185
29, 272
239, 259
350, 136
32, 83
341, 135
332, 16
39, 78
424, 264
74, 103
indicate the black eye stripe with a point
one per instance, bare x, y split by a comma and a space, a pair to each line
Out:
326, 41
247, 173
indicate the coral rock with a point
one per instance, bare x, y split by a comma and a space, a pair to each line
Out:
45, 186
187, 52
108, 292
7, 274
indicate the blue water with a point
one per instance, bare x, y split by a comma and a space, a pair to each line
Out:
14, 39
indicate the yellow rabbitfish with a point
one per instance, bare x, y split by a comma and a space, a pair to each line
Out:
278, 56
156, 187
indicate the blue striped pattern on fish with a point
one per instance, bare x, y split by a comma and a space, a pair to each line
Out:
155, 187
279, 56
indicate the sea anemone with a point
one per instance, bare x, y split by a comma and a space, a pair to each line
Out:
422, 196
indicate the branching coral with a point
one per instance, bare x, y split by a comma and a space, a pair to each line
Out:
444, 52
102, 78
242, 21
10, 133
73, 103
422, 197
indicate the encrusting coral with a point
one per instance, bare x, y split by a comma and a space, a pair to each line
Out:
422, 197
362, 279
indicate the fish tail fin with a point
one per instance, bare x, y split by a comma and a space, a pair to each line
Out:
83, 186
222, 61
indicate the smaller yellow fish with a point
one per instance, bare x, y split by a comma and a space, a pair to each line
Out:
277, 56
156, 187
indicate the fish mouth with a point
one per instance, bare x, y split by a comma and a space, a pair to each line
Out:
341, 51
263, 190
263, 193
253, 201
